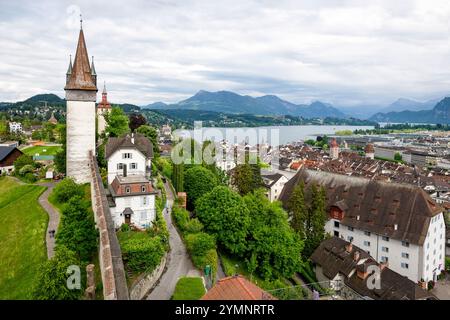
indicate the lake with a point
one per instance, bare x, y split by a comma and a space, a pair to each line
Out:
284, 134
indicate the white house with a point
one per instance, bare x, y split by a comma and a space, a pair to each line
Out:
15, 127
134, 201
274, 183
131, 153
129, 168
395, 223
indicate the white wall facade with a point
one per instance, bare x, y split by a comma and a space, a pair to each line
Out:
80, 139
275, 190
118, 157
433, 253
101, 122
407, 259
7, 169
143, 206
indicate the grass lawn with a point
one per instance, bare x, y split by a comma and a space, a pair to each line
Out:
42, 150
23, 224
189, 288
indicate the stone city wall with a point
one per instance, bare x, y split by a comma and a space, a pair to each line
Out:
110, 256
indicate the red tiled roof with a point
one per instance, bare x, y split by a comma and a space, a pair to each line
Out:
236, 288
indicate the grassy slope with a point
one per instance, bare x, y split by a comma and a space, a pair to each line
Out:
49, 151
23, 224
189, 288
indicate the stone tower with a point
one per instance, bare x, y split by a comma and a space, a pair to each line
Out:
369, 151
334, 149
81, 94
102, 108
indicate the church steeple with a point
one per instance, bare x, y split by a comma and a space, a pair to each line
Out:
104, 104
81, 76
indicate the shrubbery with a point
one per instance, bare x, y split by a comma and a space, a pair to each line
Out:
77, 230
67, 189
142, 254
201, 246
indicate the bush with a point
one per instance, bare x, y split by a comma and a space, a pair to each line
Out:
202, 248
29, 177
199, 243
447, 263
181, 217
22, 161
142, 255
193, 226
26, 169
67, 189
51, 282
124, 227
77, 230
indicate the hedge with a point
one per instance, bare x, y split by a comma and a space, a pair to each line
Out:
142, 255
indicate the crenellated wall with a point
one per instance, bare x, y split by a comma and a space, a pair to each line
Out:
110, 256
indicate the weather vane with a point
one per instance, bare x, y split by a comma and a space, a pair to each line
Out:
81, 22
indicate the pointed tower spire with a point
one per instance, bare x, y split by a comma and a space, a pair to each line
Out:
92, 67
81, 77
104, 104
69, 69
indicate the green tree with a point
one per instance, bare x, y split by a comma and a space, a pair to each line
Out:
274, 248
77, 231
21, 161
60, 160
51, 282
318, 219
178, 176
150, 133
116, 122
224, 215
67, 189
198, 181
397, 156
298, 210
246, 178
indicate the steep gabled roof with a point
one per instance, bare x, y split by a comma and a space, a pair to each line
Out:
400, 211
334, 257
81, 77
141, 143
5, 151
236, 288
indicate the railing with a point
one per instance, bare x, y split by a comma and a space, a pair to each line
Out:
332, 290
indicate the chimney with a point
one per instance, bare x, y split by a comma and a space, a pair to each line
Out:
349, 247
124, 169
356, 256
132, 138
384, 265
395, 226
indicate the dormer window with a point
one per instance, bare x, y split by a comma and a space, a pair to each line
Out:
127, 155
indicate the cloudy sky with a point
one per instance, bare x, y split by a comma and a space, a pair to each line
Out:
349, 53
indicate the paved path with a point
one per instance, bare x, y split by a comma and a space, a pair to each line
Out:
53, 215
442, 289
179, 263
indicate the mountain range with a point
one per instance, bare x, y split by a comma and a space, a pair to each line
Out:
230, 102
227, 102
439, 114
